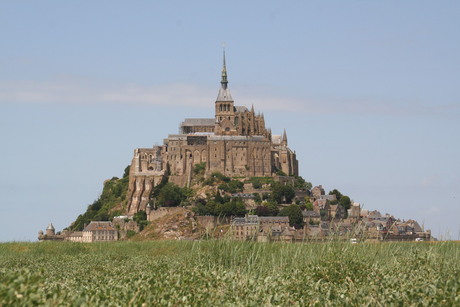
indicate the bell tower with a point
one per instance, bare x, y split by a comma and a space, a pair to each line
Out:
225, 111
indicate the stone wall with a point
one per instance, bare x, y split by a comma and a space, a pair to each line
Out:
162, 211
210, 222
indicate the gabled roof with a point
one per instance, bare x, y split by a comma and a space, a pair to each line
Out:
240, 109
274, 218
309, 213
99, 225
198, 122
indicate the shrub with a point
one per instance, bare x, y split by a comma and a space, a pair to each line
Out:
295, 215
233, 186
199, 168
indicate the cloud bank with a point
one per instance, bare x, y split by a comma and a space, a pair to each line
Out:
77, 91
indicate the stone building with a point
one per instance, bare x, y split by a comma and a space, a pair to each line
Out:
99, 231
50, 234
235, 142
260, 228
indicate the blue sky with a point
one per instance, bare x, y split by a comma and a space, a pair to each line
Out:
367, 92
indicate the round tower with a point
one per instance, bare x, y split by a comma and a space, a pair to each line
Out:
50, 231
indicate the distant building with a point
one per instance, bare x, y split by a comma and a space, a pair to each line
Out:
311, 217
317, 192
50, 234
99, 231
261, 228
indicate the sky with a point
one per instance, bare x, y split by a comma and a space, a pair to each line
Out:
366, 90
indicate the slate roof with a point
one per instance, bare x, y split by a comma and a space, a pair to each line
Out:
309, 213
198, 122
240, 109
99, 226
224, 95
274, 218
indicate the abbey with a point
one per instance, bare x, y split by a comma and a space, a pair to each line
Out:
235, 143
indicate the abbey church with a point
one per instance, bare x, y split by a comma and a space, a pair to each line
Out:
235, 143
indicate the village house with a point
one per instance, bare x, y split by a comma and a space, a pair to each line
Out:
261, 228
99, 231
311, 217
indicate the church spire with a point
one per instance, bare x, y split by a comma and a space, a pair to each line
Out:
224, 80
284, 138
224, 92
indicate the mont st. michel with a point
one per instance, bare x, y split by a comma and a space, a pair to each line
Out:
227, 177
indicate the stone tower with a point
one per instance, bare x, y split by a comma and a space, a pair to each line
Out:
225, 110
50, 231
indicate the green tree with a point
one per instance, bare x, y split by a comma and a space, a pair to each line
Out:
337, 194
164, 180
273, 208
308, 205
199, 168
126, 172
232, 187
235, 207
345, 202
282, 193
295, 215
140, 218
262, 210
257, 198
256, 183
171, 195
301, 184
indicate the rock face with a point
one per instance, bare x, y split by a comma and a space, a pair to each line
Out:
142, 178
178, 224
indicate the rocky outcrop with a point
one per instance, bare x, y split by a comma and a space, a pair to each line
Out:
178, 224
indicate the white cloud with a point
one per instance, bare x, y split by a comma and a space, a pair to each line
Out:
80, 91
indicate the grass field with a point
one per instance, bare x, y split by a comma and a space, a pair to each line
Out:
226, 273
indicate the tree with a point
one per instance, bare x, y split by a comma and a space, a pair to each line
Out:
282, 192
164, 180
308, 204
262, 210
301, 184
234, 207
232, 186
257, 198
171, 195
295, 215
140, 218
273, 208
199, 168
268, 209
218, 198
337, 194
345, 202
126, 172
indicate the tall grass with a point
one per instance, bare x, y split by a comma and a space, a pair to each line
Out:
229, 273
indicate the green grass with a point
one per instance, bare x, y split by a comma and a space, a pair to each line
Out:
228, 273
